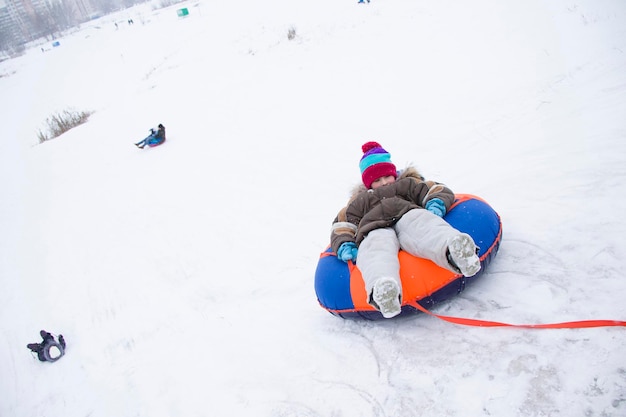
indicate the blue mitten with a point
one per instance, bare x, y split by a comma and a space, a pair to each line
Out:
436, 206
347, 252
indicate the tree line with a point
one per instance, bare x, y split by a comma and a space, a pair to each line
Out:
49, 20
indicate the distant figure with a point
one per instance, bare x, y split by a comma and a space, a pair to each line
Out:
156, 137
49, 350
361, 1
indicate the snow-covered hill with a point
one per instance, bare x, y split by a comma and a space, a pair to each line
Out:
182, 276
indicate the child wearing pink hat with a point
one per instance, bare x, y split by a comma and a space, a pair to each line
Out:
397, 210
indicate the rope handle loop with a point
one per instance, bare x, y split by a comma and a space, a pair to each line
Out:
582, 324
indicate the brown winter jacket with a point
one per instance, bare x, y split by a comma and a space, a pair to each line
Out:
372, 209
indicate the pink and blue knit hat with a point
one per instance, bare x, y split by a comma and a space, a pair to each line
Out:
375, 163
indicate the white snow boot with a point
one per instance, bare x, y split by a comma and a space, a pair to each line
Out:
462, 255
386, 297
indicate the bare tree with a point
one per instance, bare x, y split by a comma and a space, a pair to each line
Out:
9, 43
54, 18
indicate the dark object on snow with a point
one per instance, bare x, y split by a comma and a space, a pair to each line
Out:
49, 350
156, 137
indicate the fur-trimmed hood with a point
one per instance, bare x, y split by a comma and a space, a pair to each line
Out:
408, 172
384, 206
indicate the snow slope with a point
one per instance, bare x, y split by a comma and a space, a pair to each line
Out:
182, 276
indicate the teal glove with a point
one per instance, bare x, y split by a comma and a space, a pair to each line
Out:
436, 206
347, 252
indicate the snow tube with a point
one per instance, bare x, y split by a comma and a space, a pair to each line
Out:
339, 285
154, 141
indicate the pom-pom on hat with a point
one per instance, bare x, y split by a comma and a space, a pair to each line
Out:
375, 163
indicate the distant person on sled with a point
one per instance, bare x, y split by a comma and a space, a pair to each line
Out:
157, 137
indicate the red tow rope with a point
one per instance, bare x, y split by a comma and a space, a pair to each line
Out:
485, 323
